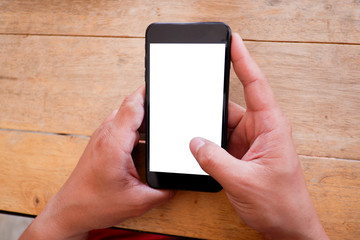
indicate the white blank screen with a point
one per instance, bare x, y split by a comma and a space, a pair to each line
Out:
186, 101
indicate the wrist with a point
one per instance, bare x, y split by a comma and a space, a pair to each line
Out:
313, 232
54, 223
296, 236
41, 231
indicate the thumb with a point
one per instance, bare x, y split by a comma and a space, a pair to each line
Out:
215, 161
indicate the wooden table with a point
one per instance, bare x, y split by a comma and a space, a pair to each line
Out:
64, 65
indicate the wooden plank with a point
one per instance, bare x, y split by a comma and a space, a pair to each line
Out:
65, 85
318, 88
34, 166
326, 178
70, 84
325, 21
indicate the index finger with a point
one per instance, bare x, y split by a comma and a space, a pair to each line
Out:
128, 119
257, 91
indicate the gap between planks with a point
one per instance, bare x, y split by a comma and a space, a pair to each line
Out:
114, 36
142, 141
43, 132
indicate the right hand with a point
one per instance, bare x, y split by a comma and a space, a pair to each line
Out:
261, 171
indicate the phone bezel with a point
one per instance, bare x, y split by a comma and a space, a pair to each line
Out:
204, 32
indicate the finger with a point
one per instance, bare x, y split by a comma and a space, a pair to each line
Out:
258, 94
142, 127
131, 111
128, 119
235, 114
151, 197
156, 197
111, 116
216, 161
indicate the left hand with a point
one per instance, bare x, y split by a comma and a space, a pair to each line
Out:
104, 188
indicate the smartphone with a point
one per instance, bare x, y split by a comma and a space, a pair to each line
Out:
187, 85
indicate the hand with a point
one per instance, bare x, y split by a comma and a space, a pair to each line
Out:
104, 188
261, 172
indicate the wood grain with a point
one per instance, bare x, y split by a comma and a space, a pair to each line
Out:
270, 20
69, 85
65, 65
66, 84
34, 166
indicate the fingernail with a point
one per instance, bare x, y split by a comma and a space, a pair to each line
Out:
198, 143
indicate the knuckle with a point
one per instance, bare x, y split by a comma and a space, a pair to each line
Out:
101, 136
131, 107
253, 78
127, 101
128, 105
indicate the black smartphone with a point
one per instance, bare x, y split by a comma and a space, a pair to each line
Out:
187, 85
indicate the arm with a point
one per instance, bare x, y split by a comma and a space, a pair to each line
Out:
260, 171
104, 188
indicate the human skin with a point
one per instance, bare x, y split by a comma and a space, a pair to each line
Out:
104, 189
260, 171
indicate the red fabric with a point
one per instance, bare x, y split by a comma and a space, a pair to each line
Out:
113, 233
